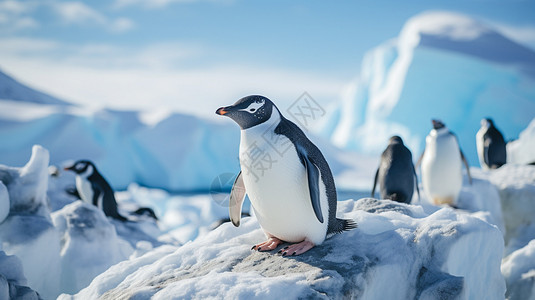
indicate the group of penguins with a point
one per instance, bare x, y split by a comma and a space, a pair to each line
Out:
295, 200
440, 164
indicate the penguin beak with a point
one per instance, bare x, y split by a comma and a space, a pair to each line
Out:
223, 110
68, 168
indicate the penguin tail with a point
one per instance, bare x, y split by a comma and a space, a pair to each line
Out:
342, 225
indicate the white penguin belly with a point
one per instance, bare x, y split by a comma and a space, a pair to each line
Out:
84, 189
279, 192
441, 169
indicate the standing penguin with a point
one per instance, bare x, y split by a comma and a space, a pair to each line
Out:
441, 165
491, 147
396, 173
94, 189
288, 180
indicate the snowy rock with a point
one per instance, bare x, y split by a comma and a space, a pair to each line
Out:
89, 245
4, 202
28, 232
398, 251
519, 271
442, 65
12, 280
516, 185
521, 150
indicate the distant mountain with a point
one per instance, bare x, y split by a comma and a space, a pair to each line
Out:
442, 65
11, 89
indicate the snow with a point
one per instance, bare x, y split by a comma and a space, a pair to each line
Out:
521, 151
442, 65
182, 167
386, 256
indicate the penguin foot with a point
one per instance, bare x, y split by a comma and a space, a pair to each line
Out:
271, 244
297, 249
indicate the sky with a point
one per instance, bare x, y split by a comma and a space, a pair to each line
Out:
196, 55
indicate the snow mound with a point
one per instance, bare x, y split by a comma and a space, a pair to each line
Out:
521, 151
398, 251
516, 186
519, 272
442, 65
12, 280
89, 245
28, 231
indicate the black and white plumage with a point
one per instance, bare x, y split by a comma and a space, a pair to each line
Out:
491, 146
94, 189
441, 163
396, 174
293, 195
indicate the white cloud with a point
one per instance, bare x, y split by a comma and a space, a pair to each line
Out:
121, 25
160, 3
14, 16
144, 79
78, 12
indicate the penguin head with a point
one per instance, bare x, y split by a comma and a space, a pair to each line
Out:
437, 124
487, 123
81, 167
396, 140
248, 111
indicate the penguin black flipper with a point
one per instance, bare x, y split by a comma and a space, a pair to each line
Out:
237, 195
313, 175
416, 181
463, 158
466, 166
375, 182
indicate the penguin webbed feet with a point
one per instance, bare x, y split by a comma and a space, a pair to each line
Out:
296, 249
271, 244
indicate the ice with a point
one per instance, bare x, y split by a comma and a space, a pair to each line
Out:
28, 232
519, 271
89, 245
521, 151
398, 251
442, 65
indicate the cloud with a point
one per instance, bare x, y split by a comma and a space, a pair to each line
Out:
14, 16
155, 77
160, 3
80, 13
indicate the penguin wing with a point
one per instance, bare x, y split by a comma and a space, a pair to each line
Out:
416, 180
375, 182
237, 195
466, 165
313, 176
96, 194
486, 149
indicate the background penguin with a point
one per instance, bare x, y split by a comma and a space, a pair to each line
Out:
441, 165
288, 180
491, 147
94, 189
396, 173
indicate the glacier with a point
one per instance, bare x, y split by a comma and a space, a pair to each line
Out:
442, 65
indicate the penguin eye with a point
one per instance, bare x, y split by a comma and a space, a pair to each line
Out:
252, 109
79, 166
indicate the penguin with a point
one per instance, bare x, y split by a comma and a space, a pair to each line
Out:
94, 189
396, 174
287, 179
441, 165
491, 147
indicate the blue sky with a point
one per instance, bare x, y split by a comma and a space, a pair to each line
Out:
162, 53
